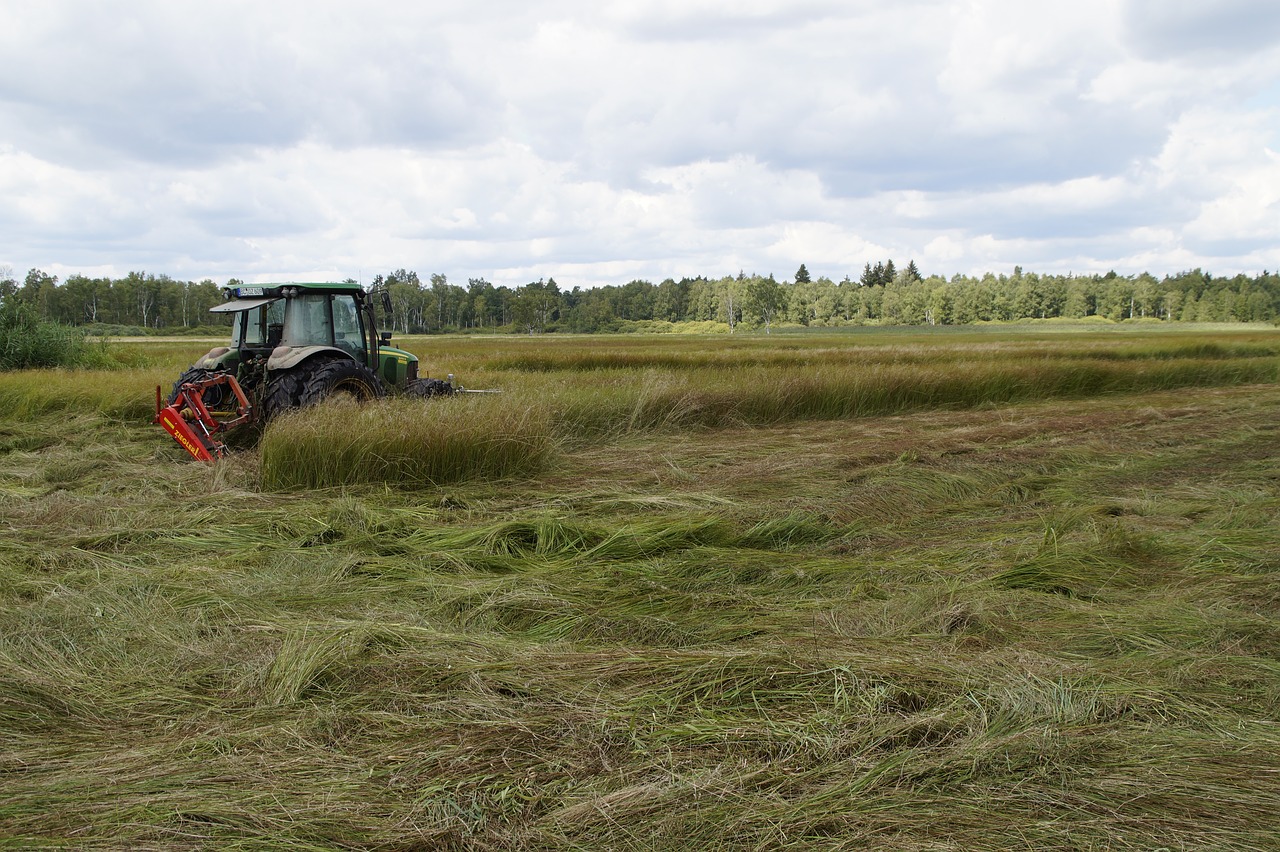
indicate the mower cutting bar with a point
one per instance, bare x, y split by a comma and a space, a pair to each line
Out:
191, 423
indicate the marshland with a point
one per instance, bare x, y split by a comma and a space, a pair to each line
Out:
962, 588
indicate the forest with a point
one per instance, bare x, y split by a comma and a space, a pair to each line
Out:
883, 294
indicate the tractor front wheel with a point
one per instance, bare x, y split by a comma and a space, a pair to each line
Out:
213, 397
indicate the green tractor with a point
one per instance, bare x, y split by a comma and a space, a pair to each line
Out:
292, 345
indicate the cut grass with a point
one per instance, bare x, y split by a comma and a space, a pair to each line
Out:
1050, 625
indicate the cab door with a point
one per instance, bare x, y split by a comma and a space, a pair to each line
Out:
349, 329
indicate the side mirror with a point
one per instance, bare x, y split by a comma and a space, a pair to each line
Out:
384, 338
386, 302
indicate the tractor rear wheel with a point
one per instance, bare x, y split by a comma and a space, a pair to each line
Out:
341, 377
313, 381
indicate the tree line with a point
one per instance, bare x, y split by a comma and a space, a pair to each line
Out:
882, 294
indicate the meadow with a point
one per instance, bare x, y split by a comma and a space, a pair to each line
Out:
954, 589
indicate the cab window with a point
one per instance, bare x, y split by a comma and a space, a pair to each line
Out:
307, 322
254, 327
348, 331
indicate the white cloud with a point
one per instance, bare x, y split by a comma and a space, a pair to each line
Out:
1222, 164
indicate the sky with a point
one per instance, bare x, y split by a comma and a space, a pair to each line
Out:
600, 142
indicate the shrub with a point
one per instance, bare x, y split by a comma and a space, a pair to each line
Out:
27, 341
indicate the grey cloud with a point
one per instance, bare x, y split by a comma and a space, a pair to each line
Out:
162, 90
1169, 29
865, 118
1048, 223
1223, 250
921, 147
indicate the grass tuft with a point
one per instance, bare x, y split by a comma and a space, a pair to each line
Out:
408, 442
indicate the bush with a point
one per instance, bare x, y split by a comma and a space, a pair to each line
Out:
647, 327
111, 329
700, 327
103, 329
27, 341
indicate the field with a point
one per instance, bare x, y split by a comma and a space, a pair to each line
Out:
968, 589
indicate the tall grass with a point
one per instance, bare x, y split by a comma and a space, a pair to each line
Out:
112, 392
576, 393
613, 403
404, 441
893, 389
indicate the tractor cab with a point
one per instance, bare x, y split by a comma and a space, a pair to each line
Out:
303, 316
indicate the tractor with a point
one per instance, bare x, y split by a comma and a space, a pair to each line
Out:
292, 345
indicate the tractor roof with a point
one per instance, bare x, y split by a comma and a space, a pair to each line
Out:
276, 291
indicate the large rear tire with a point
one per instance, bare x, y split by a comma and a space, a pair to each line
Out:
314, 381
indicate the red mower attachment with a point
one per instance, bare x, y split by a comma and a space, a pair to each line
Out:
191, 423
